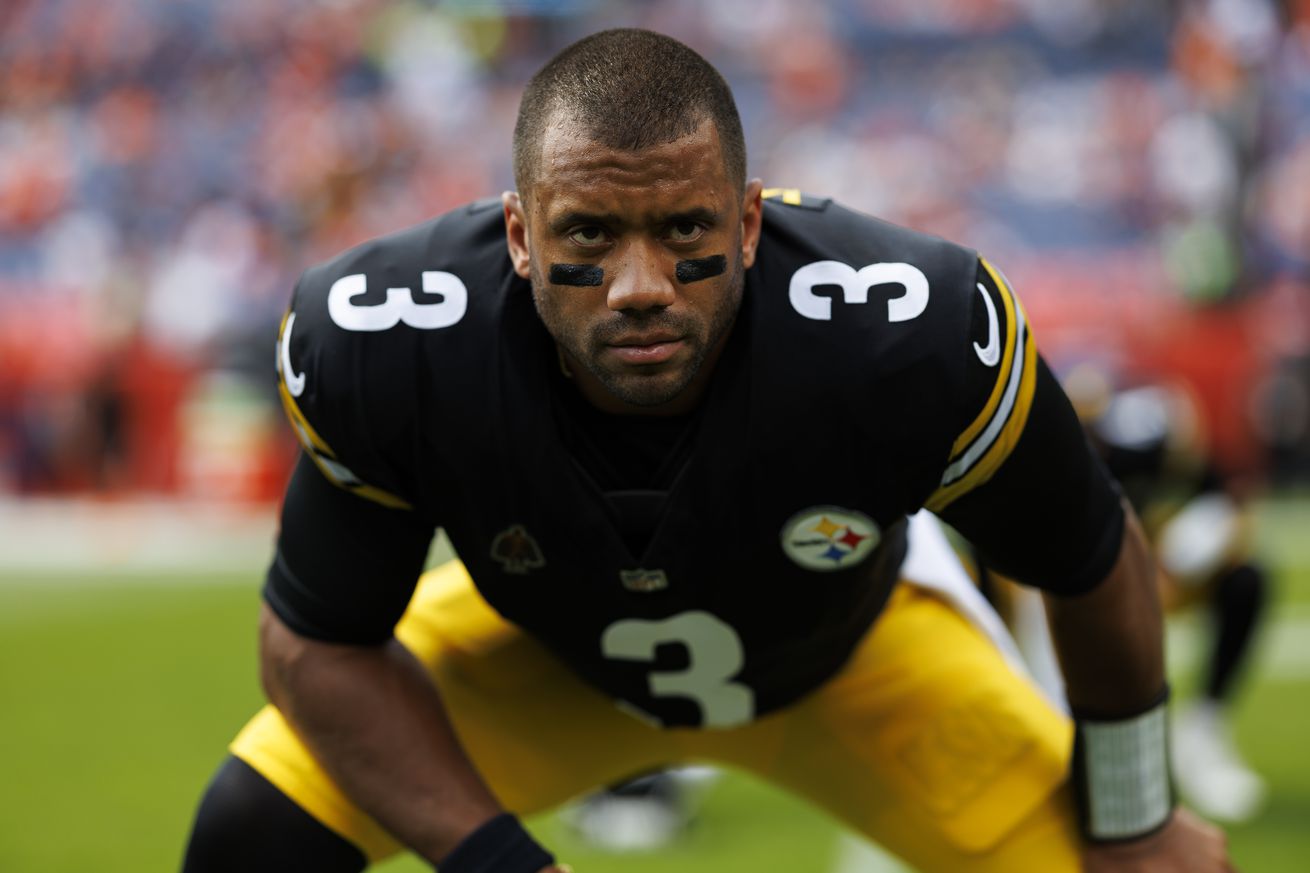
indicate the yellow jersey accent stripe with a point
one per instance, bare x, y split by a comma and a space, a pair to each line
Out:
305, 432
1011, 328
976, 449
790, 196
321, 453
377, 495
968, 477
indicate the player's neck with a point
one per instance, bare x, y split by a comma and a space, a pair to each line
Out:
595, 392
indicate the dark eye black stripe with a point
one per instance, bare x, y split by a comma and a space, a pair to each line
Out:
695, 269
576, 274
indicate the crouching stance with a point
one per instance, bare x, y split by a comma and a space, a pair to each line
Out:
674, 426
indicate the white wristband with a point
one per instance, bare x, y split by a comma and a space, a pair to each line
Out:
1122, 768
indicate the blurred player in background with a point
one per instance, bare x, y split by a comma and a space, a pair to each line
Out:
639, 815
1152, 438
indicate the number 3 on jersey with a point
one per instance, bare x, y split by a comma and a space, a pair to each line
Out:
399, 305
855, 285
714, 655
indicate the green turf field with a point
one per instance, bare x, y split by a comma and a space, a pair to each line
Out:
118, 695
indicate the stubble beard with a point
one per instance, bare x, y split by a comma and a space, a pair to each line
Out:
628, 385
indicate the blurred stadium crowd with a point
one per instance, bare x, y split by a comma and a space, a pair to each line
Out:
1140, 168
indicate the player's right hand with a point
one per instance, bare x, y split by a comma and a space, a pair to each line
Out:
1187, 844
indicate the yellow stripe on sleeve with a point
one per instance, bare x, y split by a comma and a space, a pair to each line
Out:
1005, 442
983, 446
790, 196
305, 432
1002, 376
321, 453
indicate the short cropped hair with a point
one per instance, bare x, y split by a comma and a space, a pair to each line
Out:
628, 89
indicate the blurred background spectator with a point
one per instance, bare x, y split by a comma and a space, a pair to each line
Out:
1140, 168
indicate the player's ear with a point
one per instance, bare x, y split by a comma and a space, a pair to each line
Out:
752, 212
516, 232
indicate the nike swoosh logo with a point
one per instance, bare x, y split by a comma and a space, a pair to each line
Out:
991, 355
295, 382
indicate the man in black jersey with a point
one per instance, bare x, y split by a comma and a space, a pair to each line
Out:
676, 437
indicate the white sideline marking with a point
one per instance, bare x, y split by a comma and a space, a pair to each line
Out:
1282, 647
104, 540
97, 542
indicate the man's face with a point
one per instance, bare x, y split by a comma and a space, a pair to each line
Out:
637, 261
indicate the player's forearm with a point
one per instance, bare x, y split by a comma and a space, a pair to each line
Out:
1111, 647
1110, 640
376, 723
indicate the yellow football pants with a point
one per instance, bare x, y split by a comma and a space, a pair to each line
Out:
926, 741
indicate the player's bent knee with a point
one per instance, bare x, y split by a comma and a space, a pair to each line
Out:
246, 824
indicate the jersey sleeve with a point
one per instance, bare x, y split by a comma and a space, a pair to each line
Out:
354, 533
345, 567
999, 383
332, 405
1021, 482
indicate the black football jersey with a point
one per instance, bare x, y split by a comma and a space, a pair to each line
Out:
872, 371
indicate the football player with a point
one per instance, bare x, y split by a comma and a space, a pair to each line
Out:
675, 429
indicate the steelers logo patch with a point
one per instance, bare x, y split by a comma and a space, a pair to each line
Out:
827, 538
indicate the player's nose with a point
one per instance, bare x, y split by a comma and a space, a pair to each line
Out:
641, 282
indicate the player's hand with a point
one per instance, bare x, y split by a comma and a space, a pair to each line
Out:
557, 868
1185, 845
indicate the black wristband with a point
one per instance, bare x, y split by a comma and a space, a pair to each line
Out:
501, 845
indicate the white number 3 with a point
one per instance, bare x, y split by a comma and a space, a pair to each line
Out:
714, 655
399, 305
855, 285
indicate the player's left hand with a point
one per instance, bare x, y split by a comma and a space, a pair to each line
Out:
1187, 844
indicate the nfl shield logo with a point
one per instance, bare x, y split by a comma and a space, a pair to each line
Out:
644, 580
